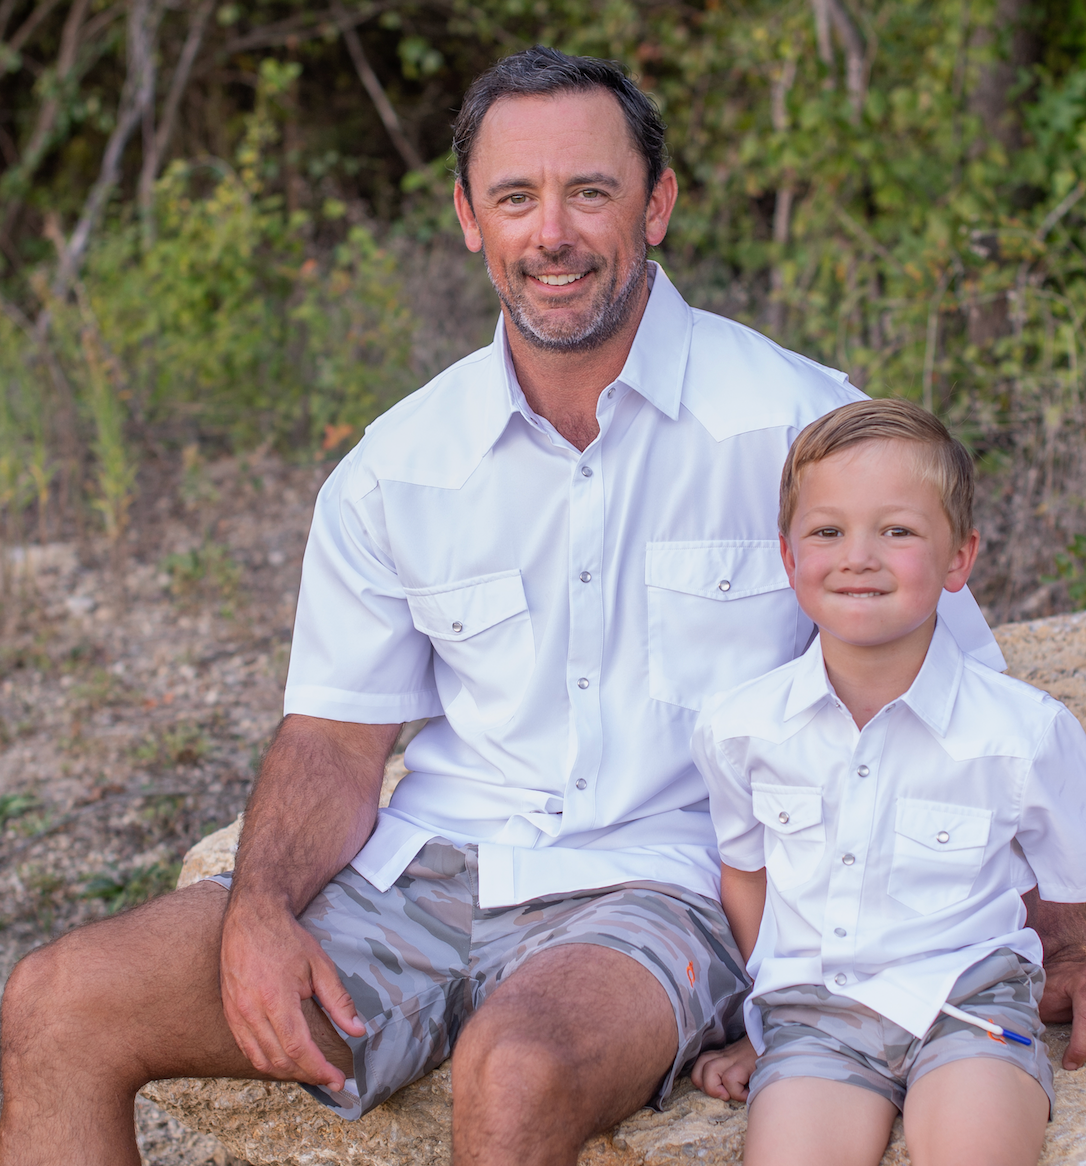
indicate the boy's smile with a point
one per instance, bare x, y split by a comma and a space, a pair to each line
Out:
871, 549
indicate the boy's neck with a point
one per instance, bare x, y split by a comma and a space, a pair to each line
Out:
867, 677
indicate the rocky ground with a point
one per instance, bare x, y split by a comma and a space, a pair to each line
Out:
134, 711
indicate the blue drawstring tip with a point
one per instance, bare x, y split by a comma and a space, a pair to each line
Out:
1013, 1036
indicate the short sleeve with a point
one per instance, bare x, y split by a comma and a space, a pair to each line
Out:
739, 835
356, 655
1052, 823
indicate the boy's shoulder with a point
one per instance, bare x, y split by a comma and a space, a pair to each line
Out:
757, 708
996, 714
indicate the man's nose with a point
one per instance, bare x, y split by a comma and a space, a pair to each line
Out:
555, 227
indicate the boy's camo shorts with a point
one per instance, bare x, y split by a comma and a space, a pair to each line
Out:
419, 958
811, 1032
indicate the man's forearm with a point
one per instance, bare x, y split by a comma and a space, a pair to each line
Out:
1061, 926
313, 807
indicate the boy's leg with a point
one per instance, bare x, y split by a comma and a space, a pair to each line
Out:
819, 1123
90, 1018
975, 1112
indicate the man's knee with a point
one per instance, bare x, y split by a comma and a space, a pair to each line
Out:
498, 1063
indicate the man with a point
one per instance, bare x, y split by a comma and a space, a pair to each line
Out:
522, 551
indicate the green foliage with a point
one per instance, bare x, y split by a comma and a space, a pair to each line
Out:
128, 889
207, 569
171, 745
15, 805
1071, 569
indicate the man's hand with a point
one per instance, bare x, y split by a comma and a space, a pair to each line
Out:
269, 965
1062, 928
724, 1073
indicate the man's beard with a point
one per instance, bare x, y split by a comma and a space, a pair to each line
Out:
604, 317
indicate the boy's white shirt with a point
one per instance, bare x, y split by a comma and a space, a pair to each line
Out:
886, 887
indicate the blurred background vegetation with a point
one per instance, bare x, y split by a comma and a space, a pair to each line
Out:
227, 226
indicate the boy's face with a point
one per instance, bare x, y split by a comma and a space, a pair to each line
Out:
870, 548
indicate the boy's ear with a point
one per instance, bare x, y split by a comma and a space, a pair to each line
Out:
789, 561
962, 563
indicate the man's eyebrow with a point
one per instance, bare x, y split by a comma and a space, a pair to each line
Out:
599, 179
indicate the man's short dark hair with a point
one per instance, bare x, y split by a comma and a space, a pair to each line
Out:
542, 72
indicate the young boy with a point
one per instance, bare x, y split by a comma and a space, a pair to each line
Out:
885, 801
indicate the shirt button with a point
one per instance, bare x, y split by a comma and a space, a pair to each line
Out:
586, 576
724, 585
942, 836
611, 392
583, 682
586, 471
581, 783
782, 817
840, 932
863, 771
458, 626
840, 978
848, 859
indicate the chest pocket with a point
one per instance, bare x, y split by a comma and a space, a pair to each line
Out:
795, 834
719, 613
938, 853
482, 633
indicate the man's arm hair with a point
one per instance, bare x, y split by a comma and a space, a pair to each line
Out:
1062, 929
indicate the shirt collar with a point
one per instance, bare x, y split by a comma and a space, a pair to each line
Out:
655, 367
931, 695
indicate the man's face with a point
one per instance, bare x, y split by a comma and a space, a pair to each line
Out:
560, 210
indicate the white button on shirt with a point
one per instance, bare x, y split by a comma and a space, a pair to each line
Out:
562, 615
895, 855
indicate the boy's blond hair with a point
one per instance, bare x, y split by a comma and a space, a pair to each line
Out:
941, 459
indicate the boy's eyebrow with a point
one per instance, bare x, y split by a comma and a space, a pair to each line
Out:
597, 179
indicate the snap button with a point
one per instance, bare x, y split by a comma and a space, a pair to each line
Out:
840, 978
724, 585
942, 836
782, 817
863, 771
586, 471
848, 859
458, 626
581, 783
583, 682
586, 576
611, 392
840, 932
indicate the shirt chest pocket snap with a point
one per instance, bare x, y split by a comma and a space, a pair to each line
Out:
482, 635
795, 833
719, 613
938, 852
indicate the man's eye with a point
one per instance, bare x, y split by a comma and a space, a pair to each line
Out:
517, 199
591, 193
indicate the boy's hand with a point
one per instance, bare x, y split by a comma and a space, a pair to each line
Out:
724, 1073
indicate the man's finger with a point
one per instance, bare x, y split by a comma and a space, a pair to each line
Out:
1075, 1055
334, 998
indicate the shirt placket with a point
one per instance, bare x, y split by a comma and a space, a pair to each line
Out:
584, 663
856, 802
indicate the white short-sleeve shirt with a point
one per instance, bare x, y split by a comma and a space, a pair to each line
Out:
563, 615
896, 855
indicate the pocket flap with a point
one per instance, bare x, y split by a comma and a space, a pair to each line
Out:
941, 826
785, 809
458, 611
716, 570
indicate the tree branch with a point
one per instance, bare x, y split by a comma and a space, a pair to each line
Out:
24, 32
302, 27
144, 17
855, 56
7, 8
368, 77
152, 160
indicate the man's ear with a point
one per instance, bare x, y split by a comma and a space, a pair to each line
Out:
473, 238
962, 563
789, 561
661, 204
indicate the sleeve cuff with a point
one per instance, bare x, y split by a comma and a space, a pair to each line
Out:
362, 708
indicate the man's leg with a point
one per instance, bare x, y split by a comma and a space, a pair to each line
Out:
575, 1040
89, 1019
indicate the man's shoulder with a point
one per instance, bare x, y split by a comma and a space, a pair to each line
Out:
437, 435
738, 381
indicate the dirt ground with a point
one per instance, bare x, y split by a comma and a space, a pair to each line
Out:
133, 716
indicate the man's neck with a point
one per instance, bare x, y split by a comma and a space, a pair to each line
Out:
564, 387
867, 678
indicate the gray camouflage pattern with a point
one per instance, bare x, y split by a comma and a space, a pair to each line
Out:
420, 958
811, 1032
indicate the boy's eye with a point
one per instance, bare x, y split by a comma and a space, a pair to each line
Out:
827, 532
899, 532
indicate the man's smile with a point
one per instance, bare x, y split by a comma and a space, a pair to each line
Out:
560, 280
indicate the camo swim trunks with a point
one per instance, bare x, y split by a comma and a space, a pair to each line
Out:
811, 1032
421, 957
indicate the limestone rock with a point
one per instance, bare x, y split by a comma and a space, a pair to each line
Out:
279, 1124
